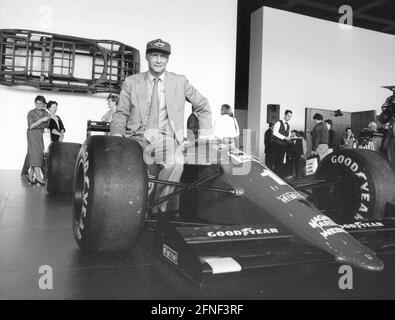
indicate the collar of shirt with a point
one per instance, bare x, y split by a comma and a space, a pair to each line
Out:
151, 77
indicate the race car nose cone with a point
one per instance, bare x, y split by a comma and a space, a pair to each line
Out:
365, 261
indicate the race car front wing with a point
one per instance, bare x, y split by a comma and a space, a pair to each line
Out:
201, 250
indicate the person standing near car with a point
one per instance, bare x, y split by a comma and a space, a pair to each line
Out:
281, 139
151, 111
226, 127
37, 120
55, 126
269, 147
331, 134
319, 137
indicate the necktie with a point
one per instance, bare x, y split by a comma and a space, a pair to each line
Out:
153, 116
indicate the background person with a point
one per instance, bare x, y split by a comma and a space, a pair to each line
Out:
281, 139
331, 134
151, 111
112, 102
348, 141
37, 120
192, 127
294, 154
55, 125
269, 147
226, 127
319, 137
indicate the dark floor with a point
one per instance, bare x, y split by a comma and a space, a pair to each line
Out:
35, 230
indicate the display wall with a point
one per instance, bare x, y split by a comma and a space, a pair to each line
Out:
202, 35
298, 62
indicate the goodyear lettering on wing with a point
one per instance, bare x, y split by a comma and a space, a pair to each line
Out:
361, 225
245, 232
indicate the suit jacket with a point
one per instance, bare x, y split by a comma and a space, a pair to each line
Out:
131, 115
319, 135
268, 140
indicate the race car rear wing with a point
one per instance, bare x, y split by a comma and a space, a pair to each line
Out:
199, 251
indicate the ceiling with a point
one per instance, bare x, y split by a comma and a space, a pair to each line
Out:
378, 15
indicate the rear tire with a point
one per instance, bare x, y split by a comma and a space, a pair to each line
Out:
110, 194
366, 187
60, 165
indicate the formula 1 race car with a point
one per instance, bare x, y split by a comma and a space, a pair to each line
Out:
234, 213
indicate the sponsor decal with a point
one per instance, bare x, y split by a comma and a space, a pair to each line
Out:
364, 184
240, 156
243, 232
327, 225
287, 197
170, 254
361, 225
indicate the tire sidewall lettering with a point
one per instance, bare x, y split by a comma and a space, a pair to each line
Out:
354, 167
84, 162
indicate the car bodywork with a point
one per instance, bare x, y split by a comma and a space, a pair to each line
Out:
49, 61
255, 219
235, 214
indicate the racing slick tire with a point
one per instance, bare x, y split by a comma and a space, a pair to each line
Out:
60, 163
110, 194
365, 184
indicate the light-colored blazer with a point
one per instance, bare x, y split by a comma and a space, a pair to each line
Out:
131, 114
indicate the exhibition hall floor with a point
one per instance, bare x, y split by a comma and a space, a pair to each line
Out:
35, 231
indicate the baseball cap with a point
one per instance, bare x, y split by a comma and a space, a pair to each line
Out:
158, 45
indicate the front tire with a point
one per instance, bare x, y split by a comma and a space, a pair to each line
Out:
110, 194
366, 187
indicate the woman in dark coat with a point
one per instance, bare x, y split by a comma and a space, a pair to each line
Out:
37, 120
55, 126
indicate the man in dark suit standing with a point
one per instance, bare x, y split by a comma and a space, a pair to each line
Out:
269, 147
319, 137
331, 134
151, 111
281, 139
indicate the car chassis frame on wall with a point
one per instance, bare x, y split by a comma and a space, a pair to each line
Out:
49, 61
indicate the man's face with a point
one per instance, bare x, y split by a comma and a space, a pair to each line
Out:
288, 116
157, 62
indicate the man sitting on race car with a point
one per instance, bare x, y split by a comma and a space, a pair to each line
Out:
151, 111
